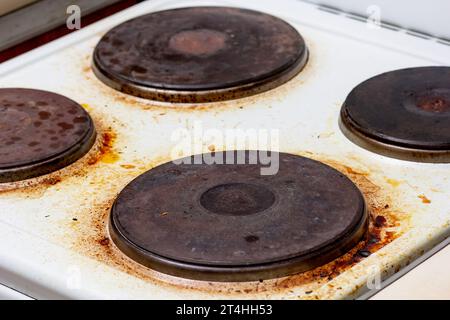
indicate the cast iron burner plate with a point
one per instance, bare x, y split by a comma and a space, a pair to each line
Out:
403, 114
225, 222
40, 132
199, 54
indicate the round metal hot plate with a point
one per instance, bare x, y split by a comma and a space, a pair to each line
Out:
403, 114
226, 222
199, 54
40, 132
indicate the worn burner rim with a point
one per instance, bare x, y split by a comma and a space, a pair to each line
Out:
244, 273
389, 148
200, 96
417, 102
54, 162
51, 164
249, 271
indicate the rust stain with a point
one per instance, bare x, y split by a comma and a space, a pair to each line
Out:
350, 170
93, 240
212, 148
106, 153
37, 187
424, 199
382, 219
51, 181
86, 69
104, 242
128, 166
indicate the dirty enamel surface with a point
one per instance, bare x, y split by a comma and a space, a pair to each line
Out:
53, 230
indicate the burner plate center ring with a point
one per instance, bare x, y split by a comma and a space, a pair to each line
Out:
436, 101
237, 199
200, 42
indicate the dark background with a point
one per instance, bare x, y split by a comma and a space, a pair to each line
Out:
31, 26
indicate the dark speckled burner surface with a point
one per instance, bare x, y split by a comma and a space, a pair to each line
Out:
199, 54
403, 114
225, 222
40, 132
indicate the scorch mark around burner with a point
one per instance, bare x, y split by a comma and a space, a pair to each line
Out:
106, 152
383, 220
36, 187
386, 224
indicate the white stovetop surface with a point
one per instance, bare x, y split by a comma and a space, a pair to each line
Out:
428, 280
46, 254
414, 15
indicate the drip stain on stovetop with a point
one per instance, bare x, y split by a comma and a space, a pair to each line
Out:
106, 152
92, 239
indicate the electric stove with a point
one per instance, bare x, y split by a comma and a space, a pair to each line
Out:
107, 184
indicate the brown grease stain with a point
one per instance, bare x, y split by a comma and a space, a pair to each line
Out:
381, 219
36, 187
106, 152
424, 199
352, 171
